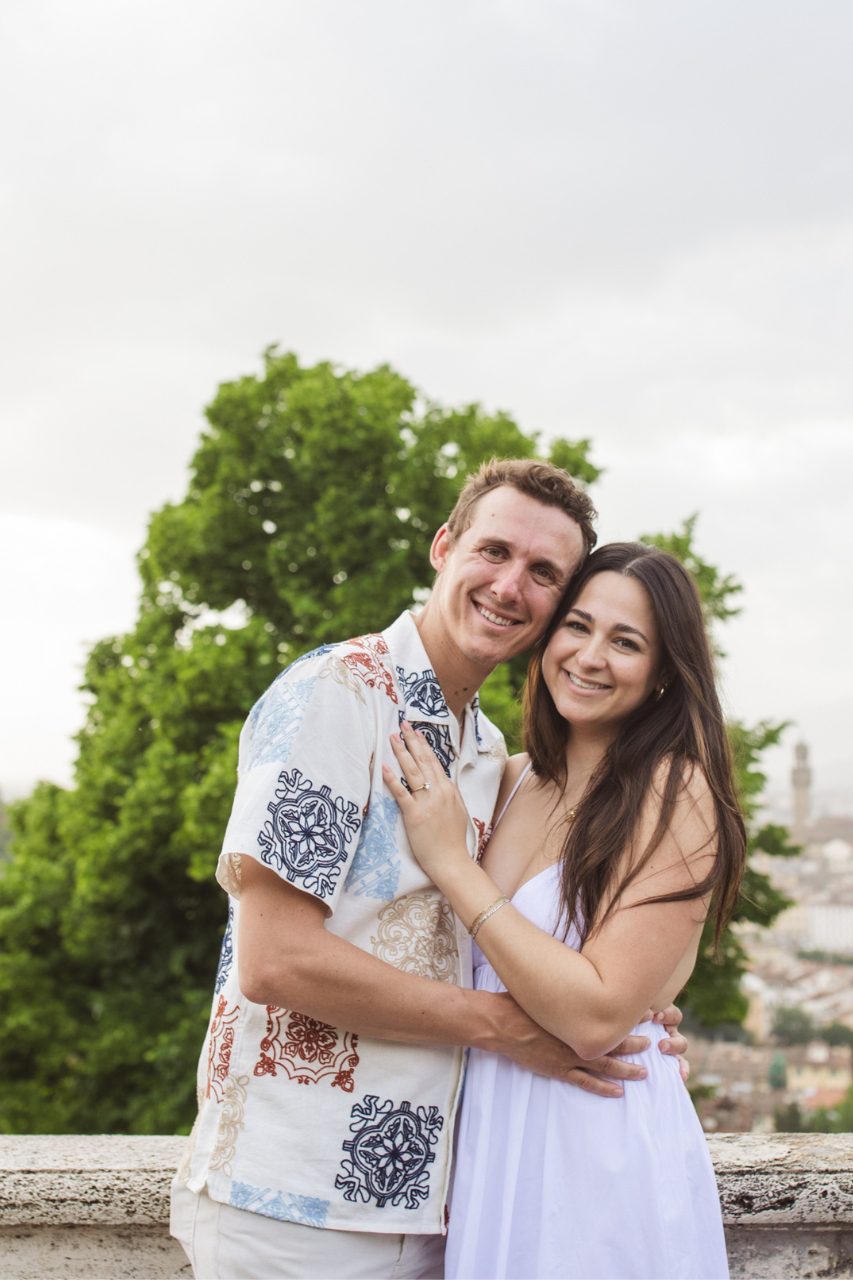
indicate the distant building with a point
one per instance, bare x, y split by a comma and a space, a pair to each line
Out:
814, 832
738, 1087
801, 788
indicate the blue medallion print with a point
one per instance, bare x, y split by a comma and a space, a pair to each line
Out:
226, 953
276, 718
422, 691
438, 737
375, 869
284, 1205
308, 833
390, 1155
475, 707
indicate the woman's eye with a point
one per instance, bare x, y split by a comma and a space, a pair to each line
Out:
623, 643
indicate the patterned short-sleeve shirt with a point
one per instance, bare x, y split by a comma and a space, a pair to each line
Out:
299, 1120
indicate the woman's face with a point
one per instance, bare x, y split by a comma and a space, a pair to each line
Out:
604, 658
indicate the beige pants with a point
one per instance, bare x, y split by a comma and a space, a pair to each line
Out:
224, 1243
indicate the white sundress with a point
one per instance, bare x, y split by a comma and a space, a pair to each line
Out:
554, 1182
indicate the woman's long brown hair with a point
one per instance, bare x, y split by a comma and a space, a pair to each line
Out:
677, 731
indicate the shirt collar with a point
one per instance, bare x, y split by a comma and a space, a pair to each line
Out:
418, 686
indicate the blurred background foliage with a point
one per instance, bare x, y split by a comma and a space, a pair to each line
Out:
312, 498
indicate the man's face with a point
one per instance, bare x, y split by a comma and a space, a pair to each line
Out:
499, 583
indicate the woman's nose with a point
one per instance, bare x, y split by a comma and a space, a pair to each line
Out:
590, 653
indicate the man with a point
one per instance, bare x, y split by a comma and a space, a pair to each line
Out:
332, 1068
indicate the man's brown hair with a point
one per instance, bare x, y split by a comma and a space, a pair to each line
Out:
540, 480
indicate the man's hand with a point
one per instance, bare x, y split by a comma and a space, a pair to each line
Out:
520, 1038
587, 1075
525, 1042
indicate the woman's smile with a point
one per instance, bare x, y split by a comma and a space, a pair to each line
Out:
588, 686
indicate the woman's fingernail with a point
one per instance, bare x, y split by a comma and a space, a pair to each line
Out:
664, 1044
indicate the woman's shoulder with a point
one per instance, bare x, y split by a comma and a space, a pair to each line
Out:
691, 813
689, 779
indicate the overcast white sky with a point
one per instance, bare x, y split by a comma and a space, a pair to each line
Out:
628, 221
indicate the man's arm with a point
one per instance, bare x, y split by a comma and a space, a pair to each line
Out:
288, 958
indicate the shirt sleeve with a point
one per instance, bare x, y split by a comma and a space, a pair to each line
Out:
303, 781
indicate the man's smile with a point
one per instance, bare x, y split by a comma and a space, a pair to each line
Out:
499, 620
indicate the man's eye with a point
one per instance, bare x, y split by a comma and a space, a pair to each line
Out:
542, 571
494, 552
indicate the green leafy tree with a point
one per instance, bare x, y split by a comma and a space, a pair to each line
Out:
826, 957
830, 1120
311, 500
313, 494
5, 831
789, 1119
836, 1033
838, 1119
792, 1025
777, 1072
713, 996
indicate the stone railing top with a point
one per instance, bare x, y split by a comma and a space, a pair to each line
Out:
786, 1179
84, 1179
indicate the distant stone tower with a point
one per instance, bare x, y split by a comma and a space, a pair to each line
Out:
801, 783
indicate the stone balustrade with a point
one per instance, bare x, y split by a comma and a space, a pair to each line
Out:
97, 1207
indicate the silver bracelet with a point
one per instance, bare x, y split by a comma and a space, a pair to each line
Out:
487, 915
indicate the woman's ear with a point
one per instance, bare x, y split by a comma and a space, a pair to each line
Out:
662, 683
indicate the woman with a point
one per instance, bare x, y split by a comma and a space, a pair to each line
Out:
615, 836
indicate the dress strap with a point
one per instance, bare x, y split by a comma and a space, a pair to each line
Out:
511, 795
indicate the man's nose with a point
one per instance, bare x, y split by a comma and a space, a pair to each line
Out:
507, 583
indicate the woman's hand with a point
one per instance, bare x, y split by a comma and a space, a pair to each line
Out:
432, 809
676, 1045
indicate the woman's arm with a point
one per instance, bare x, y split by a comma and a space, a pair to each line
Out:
588, 999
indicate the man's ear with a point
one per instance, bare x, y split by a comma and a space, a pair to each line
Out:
442, 545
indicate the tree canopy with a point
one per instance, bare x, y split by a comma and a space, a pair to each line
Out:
311, 500
5, 832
